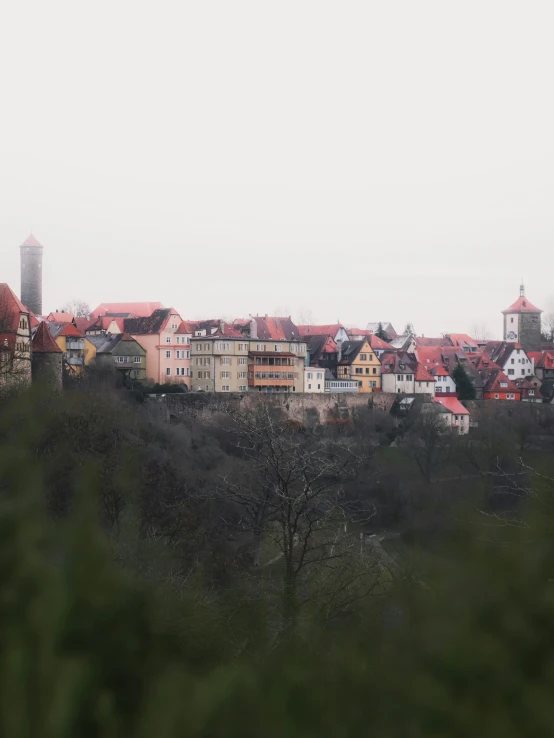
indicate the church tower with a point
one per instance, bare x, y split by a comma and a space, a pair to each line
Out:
31, 274
522, 323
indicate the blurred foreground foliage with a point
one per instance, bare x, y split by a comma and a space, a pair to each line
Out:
90, 648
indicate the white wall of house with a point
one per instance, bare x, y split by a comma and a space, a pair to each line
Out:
518, 365
444, 384
398, 383
424, 388
314, 380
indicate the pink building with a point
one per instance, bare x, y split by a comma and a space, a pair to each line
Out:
166, 339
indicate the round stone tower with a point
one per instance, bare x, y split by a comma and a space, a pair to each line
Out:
31, 274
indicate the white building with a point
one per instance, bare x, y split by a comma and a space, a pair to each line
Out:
314, 379
456, 416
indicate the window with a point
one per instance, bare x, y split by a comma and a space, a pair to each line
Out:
510, 371
224, 375
243, 347
260, 347
359, 370
409, 377
277, 347
168, 372
531, 393
523, 372
438, 389
241, 375
168, 354
180, 372
363, 357
372, 383
319, 386
225, 388
367, 370
447, 389
374, 370
138, 359
120, 359
511, 320
512, 361
360, 384
225, 360
243, 361
309, 386
168, 339
309, 375
503, 384
242, 388
400, 377
496, 396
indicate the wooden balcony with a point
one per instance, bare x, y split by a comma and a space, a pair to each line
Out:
268, 379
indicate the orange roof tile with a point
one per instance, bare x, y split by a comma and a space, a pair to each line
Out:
422, 375
452, 404
522, 305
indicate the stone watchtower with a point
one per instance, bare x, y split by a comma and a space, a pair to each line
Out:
522, 323
31, 274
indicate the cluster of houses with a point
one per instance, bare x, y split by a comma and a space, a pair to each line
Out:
147, 342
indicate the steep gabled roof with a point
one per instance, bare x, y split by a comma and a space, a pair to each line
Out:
276, 329
423, 341
318, 346
145, 326
350, 350
377, 344
422, 375
494, 379
186, 327
43, 343
522, 305
60, 317
452, 404
10, 309
398, 362
462, 339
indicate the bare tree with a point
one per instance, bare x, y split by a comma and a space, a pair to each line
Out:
427, 437
547, 327
305, 316
78, 308
294, 498
480, 331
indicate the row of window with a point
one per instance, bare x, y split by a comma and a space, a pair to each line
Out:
359, 370
511, 372
179, 354
180, 371
275, 375
178, 339
319, 375
227, 375
345, 383
509, 396
371, 383
226, 346
366, 357
226, 388
128, 359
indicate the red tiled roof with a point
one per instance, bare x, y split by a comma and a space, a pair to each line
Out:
276, 329
493, 382
83, 324
186, 326
452, 404
140, 309
43, 343
31, 241
546, 360
422, 375
320, 330
440, 371
534, 356
10, 309
482, 361
422, 341
60, 317
70, 330
522, 305
377, 343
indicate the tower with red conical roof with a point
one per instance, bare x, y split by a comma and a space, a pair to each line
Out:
31, 274
522, 323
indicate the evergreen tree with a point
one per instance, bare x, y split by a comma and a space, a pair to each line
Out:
380, 333
464, 386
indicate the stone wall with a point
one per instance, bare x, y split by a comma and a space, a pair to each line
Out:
48, 368
530, 331
307, 409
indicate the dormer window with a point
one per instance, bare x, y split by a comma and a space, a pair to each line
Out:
503, 384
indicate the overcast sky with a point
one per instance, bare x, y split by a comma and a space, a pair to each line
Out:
362, 160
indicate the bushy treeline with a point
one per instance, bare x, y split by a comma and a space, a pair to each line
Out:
131, 604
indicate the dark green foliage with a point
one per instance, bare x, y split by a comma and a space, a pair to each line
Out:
147, 626
380, 333
464, 385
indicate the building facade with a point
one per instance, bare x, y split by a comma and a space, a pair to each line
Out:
522, 323
167, 356
358, 361
314, 379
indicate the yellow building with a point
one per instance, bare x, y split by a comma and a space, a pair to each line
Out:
78, 351
360, 362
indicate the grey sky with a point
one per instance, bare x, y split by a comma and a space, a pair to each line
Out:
365, 160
